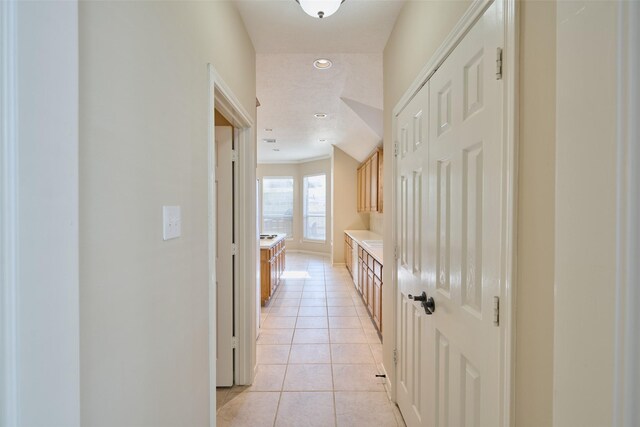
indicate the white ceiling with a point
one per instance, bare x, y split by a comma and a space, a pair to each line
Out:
280, 26
291, 90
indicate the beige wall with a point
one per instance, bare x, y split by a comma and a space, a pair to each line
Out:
585, 213
144, 117
536, 211
376, 222
345, 209
420, 29
298, 171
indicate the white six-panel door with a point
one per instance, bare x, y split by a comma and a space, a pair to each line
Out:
412, 199
449, 186
224, 261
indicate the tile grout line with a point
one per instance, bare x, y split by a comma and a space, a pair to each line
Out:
333, 385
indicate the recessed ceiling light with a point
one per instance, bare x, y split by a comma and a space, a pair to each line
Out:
322, 63
320, 116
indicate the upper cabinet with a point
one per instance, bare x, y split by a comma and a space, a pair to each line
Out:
370, 183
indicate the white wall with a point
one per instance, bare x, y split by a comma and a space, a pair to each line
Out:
345, 214
585, 271
298, 171
48, 375
144, 98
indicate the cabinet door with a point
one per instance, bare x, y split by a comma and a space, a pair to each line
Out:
362, 192
380, 181
274, 275
377, 302
367, 186
365, 279
347, 253
358, 269
359, 189
370, 290
265, 276
374, 182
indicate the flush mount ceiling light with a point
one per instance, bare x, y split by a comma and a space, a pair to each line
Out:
320, 116
322, 63
320, 8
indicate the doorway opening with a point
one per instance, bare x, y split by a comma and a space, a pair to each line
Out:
233, 240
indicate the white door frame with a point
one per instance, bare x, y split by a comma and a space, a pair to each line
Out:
30, 311
509, 11
626, 412
222, 98
8, 215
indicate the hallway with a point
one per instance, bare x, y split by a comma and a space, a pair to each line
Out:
318, 354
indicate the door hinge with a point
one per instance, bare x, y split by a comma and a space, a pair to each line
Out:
395, 356
234, 155
234, 249
234, 342
395, 149
395, 252
496, 311
499, 64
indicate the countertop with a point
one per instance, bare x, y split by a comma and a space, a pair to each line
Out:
360, 235
269, 243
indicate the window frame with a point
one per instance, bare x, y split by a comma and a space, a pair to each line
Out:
304, 214
293, 203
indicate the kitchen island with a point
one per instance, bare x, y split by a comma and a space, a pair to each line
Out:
272, 264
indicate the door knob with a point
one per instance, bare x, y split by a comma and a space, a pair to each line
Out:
422, 297
429, 306
427, 303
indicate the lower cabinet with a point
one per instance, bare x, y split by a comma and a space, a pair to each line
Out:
348, 253
369, 298
369, 284
272, 265
377, 302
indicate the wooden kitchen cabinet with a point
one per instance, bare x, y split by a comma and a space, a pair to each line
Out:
369, 272
373, 204
348, 253
369, 183
367, 186
377, 302
272, 265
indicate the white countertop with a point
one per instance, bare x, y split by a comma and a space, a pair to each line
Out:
269, 243
361, 235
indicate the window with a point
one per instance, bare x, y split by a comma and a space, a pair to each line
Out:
315, 207
277, 206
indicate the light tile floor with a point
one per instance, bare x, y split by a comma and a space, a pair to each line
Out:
318, 354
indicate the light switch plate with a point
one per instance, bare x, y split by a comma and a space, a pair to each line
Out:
171, 222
